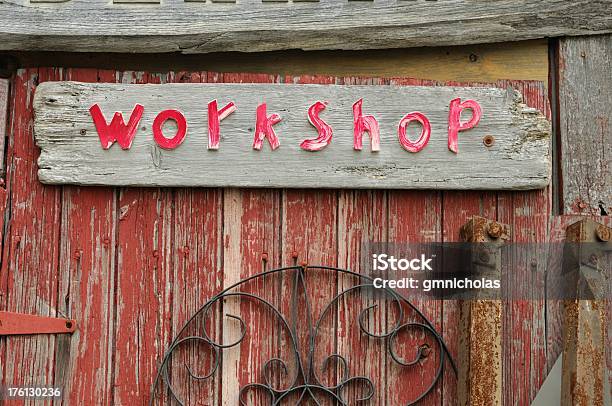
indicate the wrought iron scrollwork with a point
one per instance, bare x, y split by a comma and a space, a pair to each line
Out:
306, 382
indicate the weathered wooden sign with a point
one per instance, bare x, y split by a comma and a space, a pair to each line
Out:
195, 26
266, 135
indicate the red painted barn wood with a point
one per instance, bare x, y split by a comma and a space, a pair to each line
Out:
87, 278
132, 265
30, 266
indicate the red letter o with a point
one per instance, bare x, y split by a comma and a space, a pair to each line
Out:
181, 123
425, 133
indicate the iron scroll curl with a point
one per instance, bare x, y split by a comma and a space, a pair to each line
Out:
305, 382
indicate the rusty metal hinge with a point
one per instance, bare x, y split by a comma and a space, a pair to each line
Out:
20, 324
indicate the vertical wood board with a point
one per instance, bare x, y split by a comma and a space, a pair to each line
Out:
585, 110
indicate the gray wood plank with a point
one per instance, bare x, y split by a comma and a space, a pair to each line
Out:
585, 110
72, 152
188, 27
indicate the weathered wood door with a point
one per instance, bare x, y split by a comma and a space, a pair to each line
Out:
131, 265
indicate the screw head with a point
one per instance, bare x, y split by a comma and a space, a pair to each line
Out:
495, 230
264, 256
488, 140
603, 233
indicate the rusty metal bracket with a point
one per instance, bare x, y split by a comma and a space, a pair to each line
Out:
584, 369
21, 324
480, 321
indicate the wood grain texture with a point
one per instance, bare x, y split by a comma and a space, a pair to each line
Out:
415, 217
143, 290
309, 236
87, 283
225, 233
362, 218
251, 229
585, 109
4, 105
71, 150
524, 60
198, 265
31, 252
143, 285
309, 220
263, 26
524, 346
456, 208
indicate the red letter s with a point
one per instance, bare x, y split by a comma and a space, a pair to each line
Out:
324, 129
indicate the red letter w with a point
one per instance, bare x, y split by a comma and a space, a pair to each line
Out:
116, 130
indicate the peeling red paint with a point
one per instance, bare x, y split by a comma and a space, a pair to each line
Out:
130, 290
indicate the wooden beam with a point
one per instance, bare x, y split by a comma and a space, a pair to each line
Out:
584, 373
482, 63
480, 336
192, 27
585, 109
